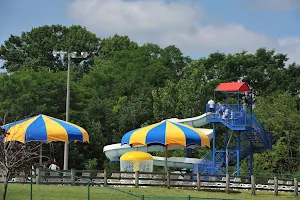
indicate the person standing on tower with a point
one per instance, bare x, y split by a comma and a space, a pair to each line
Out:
211, 104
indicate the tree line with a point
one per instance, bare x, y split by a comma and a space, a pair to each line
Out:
121, 86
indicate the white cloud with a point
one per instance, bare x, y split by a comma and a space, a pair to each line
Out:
291, 46
275, 5
154, 16
179, 23
227, 38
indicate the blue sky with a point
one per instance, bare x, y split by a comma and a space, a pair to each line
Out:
197, 27
17, 17
275, 23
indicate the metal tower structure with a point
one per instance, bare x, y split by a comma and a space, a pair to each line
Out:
250, 135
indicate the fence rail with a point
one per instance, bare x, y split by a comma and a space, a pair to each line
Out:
157, 179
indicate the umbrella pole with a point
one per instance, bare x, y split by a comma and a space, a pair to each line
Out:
166, 160
41, 154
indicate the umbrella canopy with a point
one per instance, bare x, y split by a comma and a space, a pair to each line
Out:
44, 129
166, 133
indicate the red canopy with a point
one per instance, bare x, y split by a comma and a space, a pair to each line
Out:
233, 87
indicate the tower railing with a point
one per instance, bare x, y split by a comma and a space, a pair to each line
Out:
233, 115
236, 117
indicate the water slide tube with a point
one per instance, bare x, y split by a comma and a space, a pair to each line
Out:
114, 151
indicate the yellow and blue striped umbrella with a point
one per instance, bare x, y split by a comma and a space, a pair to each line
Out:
166, 133
44, 129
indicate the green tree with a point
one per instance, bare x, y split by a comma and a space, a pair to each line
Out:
33, 49
278, 114
27, 93
109, 46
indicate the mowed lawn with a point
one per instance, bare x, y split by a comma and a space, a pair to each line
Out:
56, 192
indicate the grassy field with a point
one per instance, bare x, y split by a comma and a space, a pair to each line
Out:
46, 192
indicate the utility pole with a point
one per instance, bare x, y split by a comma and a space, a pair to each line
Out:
70, 56
66, 148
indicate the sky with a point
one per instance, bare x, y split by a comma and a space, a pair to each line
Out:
197, 27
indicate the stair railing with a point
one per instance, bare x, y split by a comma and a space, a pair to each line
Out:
256, 125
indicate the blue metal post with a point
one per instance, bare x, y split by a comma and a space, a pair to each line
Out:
251, 101
226, 137
214, 145
238, 154
251, 161
226, 98
238, 101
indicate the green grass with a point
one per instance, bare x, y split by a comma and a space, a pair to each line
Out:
47, 192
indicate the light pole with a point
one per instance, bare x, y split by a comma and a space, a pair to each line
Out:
70, 55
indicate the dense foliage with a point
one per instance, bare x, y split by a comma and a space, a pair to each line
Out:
122, 86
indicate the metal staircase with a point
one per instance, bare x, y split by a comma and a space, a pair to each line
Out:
206, 166
257, 135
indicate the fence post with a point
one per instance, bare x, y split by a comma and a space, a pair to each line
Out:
31, 184
198, 181
105, 177
88, 197
142, 197
38, 175
73, 176
189, 197
136, 178
168, 180
253, 192
295, 187
227, 183
276, 185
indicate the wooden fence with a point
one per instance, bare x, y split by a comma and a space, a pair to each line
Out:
156, 179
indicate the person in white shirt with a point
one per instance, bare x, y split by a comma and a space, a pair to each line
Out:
211, 105
54, 166
226, 113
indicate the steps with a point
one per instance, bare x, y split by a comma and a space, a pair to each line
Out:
257, 135
206, 166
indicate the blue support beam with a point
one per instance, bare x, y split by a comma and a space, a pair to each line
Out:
251, 101
226, 137
238, 149
238, 101
226, 98
214, 146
